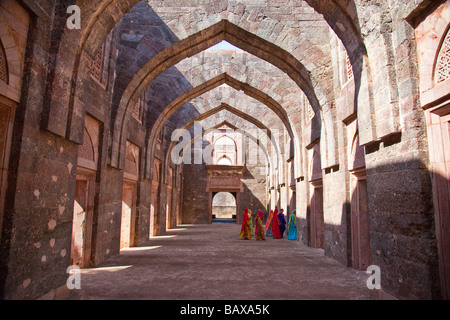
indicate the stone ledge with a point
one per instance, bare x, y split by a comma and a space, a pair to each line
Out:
59, 293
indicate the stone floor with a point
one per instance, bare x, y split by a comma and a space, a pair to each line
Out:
210, 262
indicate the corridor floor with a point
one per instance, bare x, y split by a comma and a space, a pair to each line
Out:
210, 262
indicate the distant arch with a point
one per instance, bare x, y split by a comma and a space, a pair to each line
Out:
208, 86
225, 161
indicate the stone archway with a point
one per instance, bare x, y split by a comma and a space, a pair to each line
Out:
207, 86
223, 30
84, 212
221, 178
224, 207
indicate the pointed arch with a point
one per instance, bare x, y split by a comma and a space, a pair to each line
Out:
4, 75
87, 150
250, 136
225, 106
442, 65
13, 44
99, 18
224, 141
223, 30
240, 114
207, 86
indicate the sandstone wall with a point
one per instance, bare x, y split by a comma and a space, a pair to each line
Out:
328, 72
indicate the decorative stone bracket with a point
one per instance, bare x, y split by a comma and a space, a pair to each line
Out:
224, 178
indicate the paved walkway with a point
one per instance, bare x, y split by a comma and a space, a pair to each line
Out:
210, 262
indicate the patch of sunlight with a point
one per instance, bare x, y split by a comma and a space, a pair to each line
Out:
140, 248
107, 269
165, 237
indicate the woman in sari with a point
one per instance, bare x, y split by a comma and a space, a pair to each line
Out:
246, 230
250, 223
259, 228
282, 222
292, 227
268, 227
276, 225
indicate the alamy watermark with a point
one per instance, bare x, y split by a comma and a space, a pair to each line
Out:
74, 280
74, 21
374, 281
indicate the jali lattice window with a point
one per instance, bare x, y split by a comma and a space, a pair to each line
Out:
139, 109
442, 71
3, 65
97, 65
349, 68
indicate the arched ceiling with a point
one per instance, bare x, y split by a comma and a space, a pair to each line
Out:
249, 69
294, 37
225, 94
207, 86
297, 27
240, 120
223, 30
215, 125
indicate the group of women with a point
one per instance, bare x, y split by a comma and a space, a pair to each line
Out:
275, 225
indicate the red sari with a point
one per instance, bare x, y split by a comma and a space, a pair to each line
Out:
276, 225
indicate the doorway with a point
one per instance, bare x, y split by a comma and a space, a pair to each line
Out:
224, 208
169, 208
7, 113
83, 213
127, 228
155, 199
169, 219
359, 222
316, 224
438, 123
316, 218
85, 192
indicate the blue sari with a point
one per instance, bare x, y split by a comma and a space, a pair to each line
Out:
292, 227
282, 223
